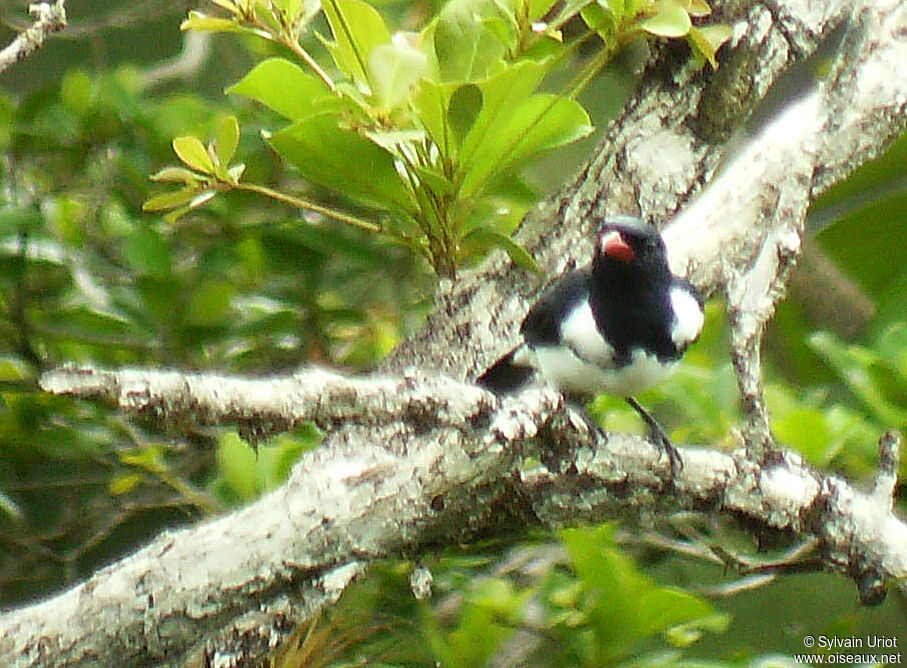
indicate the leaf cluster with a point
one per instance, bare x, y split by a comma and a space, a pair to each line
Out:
426, 129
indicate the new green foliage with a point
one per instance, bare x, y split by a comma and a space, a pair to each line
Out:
421, 128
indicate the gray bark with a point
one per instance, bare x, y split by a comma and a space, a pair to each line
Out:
420, 457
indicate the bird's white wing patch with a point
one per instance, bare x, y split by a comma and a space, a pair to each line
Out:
580, 333
688, 317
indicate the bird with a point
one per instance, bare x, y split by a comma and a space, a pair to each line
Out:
618, 325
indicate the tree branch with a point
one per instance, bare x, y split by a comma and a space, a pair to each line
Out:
265, 406
222, 591
385, 490
48, 20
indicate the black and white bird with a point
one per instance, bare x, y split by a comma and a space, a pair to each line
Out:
619, 325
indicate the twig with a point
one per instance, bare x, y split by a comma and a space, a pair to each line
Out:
48, 19
261, 406
307, 206
886, 481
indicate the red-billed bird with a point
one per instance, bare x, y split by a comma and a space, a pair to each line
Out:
619, 325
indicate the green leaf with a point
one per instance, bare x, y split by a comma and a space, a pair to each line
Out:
358, 28
276, 459
708, 39
149, 458
463, 110
892, 346
342, 160
483, 238
226, 140
192, 152
431, 102
147, 252
540, 123
64, 215
13, 369
570, 9
684, 635
238, 466
480, 631
187, 198
661, 608
538, 8
618, 8
500, 95
807, 430
210, 303
600, 19
169, 200
502, 29
202, 23
697, 8
394, 71
853, 364
174, 215
435, 181
284, 87
174, 175
76, 91
621, 604
670, 20
466, 48
122, 484
612, 586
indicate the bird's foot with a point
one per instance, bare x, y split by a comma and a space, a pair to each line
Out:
593, 426
657, 436
673, 454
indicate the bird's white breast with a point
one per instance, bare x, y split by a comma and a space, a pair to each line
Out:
562, 369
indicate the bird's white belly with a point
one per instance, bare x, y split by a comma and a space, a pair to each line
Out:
562, 369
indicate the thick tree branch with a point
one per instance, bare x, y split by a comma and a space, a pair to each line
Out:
224, 589
49, 18
384, 490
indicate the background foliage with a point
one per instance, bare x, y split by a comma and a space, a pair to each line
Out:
256, 282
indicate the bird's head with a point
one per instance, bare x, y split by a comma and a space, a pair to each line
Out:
628, 243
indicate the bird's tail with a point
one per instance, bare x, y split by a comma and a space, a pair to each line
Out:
507, 374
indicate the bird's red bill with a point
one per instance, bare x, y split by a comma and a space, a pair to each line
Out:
615, 247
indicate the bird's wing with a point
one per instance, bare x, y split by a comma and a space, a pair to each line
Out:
542, 325
563, 318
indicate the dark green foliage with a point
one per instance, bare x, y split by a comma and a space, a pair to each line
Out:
86, 276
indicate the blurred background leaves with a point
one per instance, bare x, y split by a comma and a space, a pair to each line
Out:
251, 285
